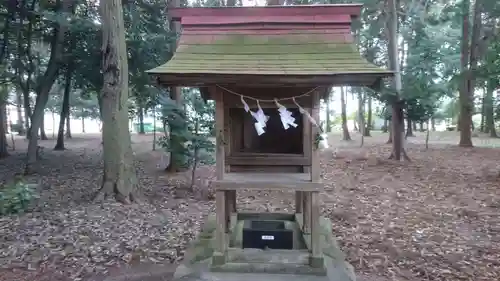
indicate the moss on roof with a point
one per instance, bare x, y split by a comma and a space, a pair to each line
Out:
284, 54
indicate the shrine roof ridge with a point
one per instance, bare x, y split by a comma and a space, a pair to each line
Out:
353, 10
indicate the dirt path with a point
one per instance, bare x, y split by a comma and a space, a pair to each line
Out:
435, 218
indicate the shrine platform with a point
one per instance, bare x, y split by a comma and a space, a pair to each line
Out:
273, 265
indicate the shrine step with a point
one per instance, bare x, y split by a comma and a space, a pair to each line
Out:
269, 261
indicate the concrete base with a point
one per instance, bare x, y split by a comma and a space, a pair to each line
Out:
201, 263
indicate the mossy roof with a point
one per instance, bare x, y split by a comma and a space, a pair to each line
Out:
286, 54
307, 44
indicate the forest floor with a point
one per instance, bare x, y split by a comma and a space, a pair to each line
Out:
435, 218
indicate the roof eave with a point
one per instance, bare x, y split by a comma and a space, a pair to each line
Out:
367, 79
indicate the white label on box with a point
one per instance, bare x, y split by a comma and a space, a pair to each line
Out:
267, 237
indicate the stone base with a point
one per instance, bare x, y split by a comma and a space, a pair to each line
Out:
201, 263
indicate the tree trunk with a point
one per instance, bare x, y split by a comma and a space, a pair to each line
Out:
482, 127
119, 178
3, 132
83, 125
489, 110
465, 95
369, 121
421, 126
409, 128
20, 119
43, 135
345, 130
64, 111
27, 112
5, 122
141, 121
389, 128
154, 127
177, 161
328, 120
361, 116
414, 126
385, 129
44, 85
53, 124
397, 103
433, 124
69, 135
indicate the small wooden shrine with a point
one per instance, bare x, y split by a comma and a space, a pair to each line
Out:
260, 65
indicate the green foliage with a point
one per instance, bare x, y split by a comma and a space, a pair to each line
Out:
16, 197
191, 125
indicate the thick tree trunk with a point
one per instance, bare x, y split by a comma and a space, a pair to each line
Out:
397, 104
64, 112
345, 130
20, 119
385, 129
44, 85
119, 178
421, 126
141, 121
465, 93
409, 128
68, 126
43, 135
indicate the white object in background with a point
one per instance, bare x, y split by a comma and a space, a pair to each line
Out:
245, 104
304, 112
286, 116
323, 144
261, 119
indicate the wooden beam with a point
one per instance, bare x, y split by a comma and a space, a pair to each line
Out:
354, 10
220, 141
257, 80
267, 181
298, 160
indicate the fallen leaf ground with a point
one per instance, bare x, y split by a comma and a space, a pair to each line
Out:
436, 218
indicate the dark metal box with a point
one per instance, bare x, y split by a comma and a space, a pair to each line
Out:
272, 234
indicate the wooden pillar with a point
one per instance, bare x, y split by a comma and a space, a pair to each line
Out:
219, 256
298, 202
315, 168
306, 212
232, 201
316, 259
306, 147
